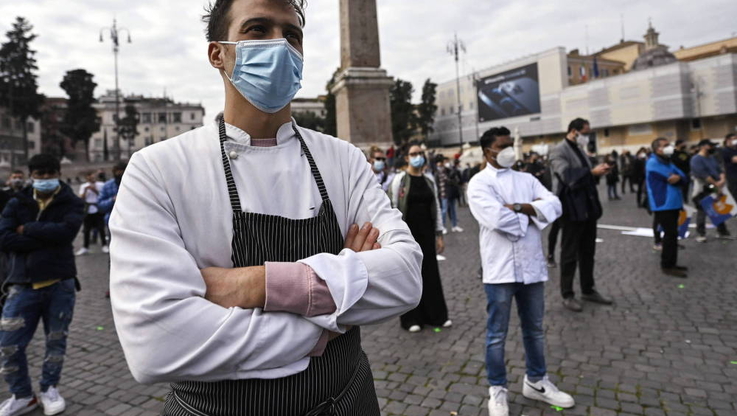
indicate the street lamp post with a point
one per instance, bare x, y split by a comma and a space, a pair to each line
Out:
476, 79
454, 48
114, 33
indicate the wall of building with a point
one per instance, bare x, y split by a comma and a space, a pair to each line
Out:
669, 101
627, 54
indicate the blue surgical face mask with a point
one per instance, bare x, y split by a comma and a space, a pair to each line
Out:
417, 161
45, 185
268, 73
379, 165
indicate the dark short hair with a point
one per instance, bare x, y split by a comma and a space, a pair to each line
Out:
578, 124
44, 161
490, 136
656, 143
18, 172
216, 17
680, 142
120, 166
729, 136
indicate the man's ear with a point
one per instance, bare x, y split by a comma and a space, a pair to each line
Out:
215, 55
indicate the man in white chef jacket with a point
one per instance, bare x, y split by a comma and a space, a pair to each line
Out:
182, 311
512, 208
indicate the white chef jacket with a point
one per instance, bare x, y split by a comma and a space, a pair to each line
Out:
173, 217
511, 243
91, 197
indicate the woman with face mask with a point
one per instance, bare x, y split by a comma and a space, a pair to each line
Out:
414, 193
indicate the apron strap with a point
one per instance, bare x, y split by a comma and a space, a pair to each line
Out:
235, 201
313, 166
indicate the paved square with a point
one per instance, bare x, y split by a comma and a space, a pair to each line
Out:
661, 349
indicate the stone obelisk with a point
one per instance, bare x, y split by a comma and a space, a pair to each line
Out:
362, 88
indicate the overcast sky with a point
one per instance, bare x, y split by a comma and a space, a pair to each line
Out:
169, 48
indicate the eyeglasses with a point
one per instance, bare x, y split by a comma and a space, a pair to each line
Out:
383, 159
417, 154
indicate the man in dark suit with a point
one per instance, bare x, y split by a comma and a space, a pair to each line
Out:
574, 182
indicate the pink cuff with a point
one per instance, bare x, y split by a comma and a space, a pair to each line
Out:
321, 344
296, 288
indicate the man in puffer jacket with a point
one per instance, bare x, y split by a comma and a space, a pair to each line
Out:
664, 184
36, 230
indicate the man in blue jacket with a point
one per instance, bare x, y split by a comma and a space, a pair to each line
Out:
664, 184
36, 231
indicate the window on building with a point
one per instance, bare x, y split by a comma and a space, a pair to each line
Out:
582, 70
31, 144
162, 118
177, 117
6, 122
145, 129
149, 141
98, 144
115, 118
146, 118
162, 128
570, 72
640, 129
606, 132
442, 112
192, 116
696, 124
452, 110
31, 127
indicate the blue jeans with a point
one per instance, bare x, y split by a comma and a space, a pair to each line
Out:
448, 207
23, 309
531, 308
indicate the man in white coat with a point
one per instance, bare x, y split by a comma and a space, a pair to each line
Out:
512, 209
238, 271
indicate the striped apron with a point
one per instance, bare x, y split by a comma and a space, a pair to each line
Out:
339, 383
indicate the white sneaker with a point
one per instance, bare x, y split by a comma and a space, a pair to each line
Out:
545, 391
440, 257
457, 229
701, 239
105, 249
52, 402
14, 407
448, 324
414, 328
81, 252
498, 401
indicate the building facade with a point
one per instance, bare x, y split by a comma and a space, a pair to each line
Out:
12, 150
159, 119
688, 100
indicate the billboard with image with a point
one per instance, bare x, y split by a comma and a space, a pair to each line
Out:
511, 93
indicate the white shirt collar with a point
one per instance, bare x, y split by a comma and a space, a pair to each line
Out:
284, 134
496, 172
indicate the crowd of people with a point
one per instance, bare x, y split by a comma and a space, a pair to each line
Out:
514, 200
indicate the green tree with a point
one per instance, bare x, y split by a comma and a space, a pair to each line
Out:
18, 86
310, 120
128, 125
403, 112
427, 108
80, 119
331, 121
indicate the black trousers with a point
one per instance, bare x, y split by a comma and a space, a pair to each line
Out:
641, 192
626, 178
578, 248
668, 220
94, 221
553, 237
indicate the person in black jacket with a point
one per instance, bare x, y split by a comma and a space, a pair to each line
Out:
36, 230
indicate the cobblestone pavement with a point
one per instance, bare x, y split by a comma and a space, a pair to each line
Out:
661, 349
